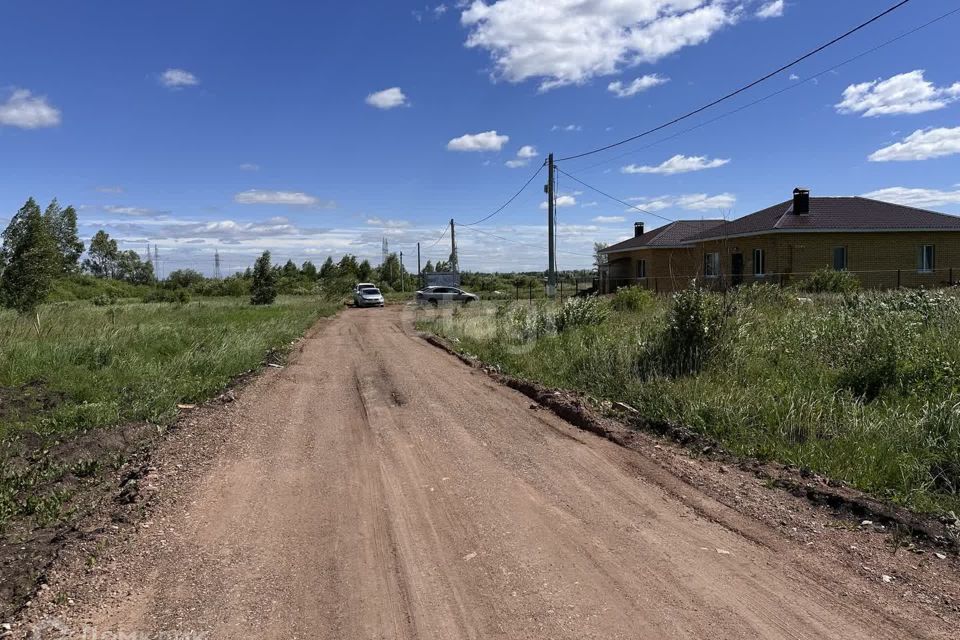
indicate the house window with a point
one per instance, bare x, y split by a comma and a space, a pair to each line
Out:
840, 258
641, 268
711, 265
759, 262
925, 261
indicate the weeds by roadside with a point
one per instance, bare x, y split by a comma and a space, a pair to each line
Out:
862, 387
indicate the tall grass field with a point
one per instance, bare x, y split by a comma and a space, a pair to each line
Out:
93, 367
861, 387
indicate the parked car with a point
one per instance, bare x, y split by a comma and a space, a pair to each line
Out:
368, 297
436, 294
363, 285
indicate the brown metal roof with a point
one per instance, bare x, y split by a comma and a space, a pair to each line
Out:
669, 235
834, 214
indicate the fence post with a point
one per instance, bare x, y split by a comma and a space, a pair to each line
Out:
898, 278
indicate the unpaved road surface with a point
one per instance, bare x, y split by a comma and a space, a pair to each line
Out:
378, 488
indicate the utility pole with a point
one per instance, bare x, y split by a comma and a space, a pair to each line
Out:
402, 289
552, 258
156, 262
216, 264
419, 273
455, 263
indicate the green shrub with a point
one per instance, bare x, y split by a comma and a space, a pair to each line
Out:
632, 299
692, 336
104, 300
173, 296
830, 281
580, 312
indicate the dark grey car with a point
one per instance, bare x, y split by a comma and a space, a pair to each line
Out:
436, 295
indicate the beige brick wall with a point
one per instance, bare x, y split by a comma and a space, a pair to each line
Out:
667, 269
873, 257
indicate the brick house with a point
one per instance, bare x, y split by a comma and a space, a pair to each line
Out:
658, 259
885, 245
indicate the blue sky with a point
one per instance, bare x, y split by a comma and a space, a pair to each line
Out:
314, 129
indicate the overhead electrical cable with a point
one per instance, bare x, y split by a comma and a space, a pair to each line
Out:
614, 198
743, 88
507, 203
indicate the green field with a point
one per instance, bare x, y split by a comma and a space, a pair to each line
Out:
96, 367
863, 387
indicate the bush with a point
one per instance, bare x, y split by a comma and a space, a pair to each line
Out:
632, 299
580, 312
104, 300
177, 296
695, 326
830, 281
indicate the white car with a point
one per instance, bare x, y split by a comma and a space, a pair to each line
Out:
368, 297
363, 285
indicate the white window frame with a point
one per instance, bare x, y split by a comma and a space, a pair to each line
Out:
641, 269
759, 265
927, 262
711, 264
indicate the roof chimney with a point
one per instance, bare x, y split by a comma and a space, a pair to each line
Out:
801, 201
637, 229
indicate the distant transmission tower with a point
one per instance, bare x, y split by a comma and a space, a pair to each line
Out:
384, 251
149, 259
156, 262
216, 264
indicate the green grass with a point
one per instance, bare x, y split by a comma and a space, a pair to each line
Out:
863, 388
100, 366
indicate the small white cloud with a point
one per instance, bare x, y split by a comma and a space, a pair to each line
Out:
678, 164
524, 155
913, 197
110, 189
388, 99
561, 201
27, 111
566, 127
132, 211
178, 78
690, 202
637, 85
586, 205
770, 10
388, 224
899, 94
794, 76
439, 10
486, 141
249, 166
922, 144
609, 219
291, 198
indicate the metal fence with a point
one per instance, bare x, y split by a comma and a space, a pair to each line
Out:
878, 279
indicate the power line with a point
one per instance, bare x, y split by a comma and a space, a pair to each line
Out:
437, 241
507, 203
743, 88
773, 94
614, 198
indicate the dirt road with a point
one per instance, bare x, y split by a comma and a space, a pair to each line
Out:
378, 488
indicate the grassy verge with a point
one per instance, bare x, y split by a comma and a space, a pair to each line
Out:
93, 368
863, 388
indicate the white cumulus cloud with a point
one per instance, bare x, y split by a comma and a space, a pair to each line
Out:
562, 201
178, 78
689, 201
486, 141
638, 85
388, 99
27, 111
608, 219
914, 197
770, 10
566, 42
291, 198
922, 144
524, 155
903, 93
678, 164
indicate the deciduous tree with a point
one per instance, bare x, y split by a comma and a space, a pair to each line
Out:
263, 290
30, 260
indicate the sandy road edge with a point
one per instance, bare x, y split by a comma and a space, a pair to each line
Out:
124, 497
818, 490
